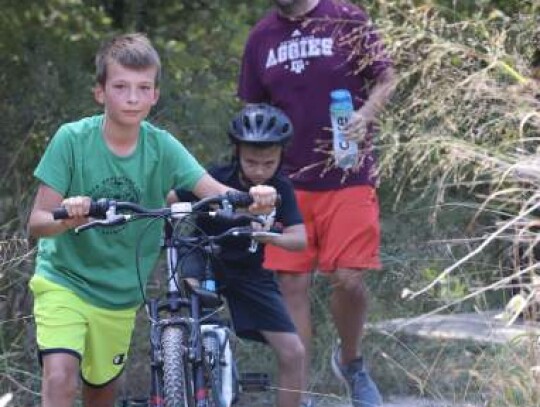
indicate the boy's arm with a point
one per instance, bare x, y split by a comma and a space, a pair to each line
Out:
293, 238
264, 196
208, 186
41, 222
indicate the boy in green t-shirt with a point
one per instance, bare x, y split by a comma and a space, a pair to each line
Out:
86, 290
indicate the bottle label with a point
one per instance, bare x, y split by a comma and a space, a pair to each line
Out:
341, 109
345, 151
341, 124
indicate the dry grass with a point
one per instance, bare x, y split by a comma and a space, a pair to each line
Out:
18, 374
465, 125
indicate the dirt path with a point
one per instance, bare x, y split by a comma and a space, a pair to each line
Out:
416, 402
399, 402
267, 400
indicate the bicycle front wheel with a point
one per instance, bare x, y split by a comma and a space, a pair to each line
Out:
175, 372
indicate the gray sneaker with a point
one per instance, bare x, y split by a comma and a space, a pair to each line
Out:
307, 402
361, 389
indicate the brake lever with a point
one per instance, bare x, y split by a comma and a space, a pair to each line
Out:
114, 221
235, 232
249, 232
262, 233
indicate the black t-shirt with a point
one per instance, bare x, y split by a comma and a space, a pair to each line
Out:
235, 254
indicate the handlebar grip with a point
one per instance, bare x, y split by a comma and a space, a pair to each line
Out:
244, 199
60, 213
239, 199
237, 219
98, 209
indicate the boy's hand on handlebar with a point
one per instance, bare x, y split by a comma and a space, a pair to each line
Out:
264, 199
77, 208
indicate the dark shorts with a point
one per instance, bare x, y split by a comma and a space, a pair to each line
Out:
253, 295
255, 303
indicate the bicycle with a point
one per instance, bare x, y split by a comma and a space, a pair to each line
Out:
192, 363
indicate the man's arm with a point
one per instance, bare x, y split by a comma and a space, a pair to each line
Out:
378, 97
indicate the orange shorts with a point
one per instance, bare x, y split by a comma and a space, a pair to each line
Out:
343, 232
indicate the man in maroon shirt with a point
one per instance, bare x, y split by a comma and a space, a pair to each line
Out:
294, 57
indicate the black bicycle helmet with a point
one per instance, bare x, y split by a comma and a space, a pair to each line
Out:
260, 124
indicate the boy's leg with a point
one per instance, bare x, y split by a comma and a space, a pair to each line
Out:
103, 396
290, 355
60, 332
60, 380
259, 313
295, 289
295, 275
107, 345
75, 337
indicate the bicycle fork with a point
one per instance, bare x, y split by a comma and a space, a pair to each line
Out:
156, 371
197, 357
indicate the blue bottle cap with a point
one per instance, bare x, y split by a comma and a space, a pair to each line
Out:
341, 95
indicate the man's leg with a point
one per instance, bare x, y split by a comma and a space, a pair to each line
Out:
349, 245
295, 289
290, 355
103, 396
60, 380
348, 305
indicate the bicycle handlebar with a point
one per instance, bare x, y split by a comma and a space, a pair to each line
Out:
105, 211
99, 208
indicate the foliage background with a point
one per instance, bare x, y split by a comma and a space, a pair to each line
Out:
464, 103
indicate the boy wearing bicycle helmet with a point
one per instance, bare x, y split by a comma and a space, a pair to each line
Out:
86, 290
259, 133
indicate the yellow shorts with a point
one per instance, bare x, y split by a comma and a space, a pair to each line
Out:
98, 337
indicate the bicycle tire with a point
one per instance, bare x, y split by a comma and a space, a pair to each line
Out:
174, 368
222, 375
212, 352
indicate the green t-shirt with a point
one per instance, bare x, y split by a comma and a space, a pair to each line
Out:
99, 265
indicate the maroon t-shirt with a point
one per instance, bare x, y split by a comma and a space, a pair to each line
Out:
295, 65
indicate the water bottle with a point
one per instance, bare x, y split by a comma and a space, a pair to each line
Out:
209, 285
208, 281
341, 109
